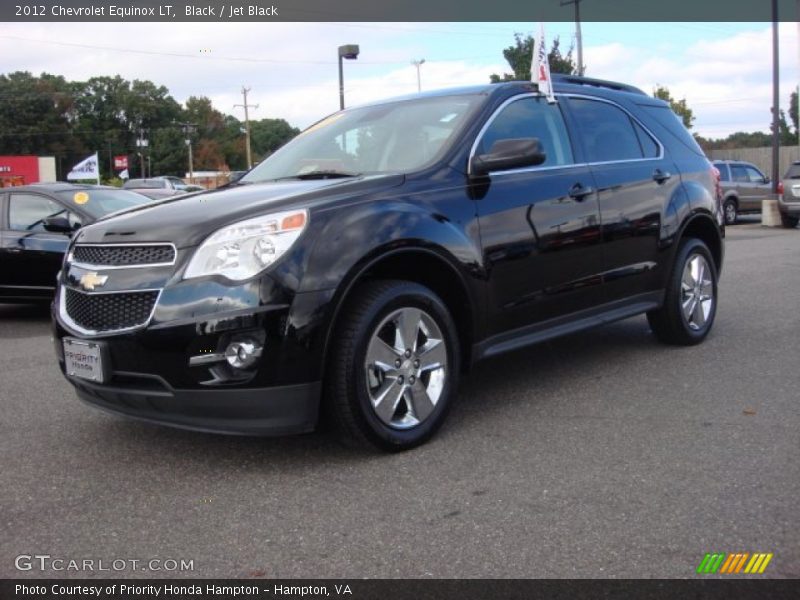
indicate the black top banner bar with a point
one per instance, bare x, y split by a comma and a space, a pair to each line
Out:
394, 10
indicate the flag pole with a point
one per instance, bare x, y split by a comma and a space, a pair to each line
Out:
97, 162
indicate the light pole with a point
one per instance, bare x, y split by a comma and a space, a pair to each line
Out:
418, 64
350, 52
188, 130
142, 143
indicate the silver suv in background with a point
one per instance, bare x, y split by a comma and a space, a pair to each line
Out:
744, 186
789, 200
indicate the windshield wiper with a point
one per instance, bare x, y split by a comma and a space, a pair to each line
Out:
328, 174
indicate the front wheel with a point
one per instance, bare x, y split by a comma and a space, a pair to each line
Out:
690, 302
394, 366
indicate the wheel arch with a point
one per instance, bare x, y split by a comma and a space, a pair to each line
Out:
439, 274
703, 227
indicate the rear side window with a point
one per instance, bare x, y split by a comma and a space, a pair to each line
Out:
531, 117
724, 174
608, 132
793, 172
670, 121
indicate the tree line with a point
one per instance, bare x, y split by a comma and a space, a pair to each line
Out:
47, 115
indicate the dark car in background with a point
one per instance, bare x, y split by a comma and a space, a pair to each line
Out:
744, 186
789, 201
36, 224
360, 268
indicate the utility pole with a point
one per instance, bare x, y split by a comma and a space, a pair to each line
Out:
246, 107
775, 100
418, 64
578, 35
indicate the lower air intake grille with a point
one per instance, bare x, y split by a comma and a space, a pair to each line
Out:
108, 312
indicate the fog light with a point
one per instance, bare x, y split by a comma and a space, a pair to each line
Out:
243, 353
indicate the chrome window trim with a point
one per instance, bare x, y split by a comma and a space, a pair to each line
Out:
83, 265
66, 320
489, 121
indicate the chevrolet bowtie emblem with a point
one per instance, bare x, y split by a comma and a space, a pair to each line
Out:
91, 280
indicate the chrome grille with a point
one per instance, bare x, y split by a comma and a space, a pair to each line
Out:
108, 312
123, 255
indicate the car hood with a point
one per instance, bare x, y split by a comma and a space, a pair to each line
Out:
187, 220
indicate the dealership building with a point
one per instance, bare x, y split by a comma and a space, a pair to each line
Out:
22, 170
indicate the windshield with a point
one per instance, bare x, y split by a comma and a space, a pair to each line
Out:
394, 137
99, 202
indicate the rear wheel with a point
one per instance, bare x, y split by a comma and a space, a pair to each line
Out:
690, 302
394, 366
790, 222
730, 209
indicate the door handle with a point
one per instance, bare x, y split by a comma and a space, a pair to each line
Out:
579, 191
660, 176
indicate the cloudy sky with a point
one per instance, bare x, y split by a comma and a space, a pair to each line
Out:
723, 70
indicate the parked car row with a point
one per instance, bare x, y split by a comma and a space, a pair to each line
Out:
744, 187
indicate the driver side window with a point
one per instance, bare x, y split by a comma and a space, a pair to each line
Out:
532, 117
27, 212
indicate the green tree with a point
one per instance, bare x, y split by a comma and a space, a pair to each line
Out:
520, 55
267, 135
679, 107
37, 115
793, 111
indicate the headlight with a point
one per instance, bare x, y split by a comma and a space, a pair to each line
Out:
243, 249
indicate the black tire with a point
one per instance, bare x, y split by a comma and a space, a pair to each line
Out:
790, 222
348, 400
669, 323
730, 211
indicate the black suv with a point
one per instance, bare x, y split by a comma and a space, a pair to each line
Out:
358, 270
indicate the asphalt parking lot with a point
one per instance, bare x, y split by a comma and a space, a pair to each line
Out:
603, 454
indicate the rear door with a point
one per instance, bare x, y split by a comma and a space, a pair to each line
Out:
540, 227
635, 180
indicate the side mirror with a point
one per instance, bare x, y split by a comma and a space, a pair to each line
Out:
767, 179
57, 225
508, 154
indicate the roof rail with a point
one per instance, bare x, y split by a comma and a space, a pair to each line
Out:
602, 83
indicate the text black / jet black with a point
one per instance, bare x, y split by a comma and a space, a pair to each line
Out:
361, 267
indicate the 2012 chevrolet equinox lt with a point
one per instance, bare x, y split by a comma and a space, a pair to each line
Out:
361, 267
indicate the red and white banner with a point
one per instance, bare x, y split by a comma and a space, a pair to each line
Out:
540, 66
120, 162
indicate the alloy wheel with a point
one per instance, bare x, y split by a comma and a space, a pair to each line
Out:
697, 292
406, 367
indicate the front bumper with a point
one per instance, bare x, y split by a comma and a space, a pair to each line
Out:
271, 411
149, 375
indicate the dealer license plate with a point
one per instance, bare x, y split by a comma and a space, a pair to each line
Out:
84, 359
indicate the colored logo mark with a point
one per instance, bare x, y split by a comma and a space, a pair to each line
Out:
738, 562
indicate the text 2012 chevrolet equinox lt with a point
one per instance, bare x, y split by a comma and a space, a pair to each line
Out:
359, 269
